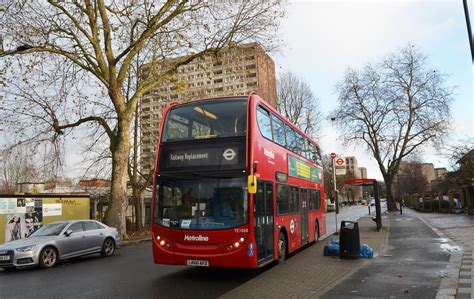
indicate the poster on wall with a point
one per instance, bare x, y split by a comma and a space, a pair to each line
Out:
15, 228
33, 220
34, 214
8, 205
52, 209
20, 205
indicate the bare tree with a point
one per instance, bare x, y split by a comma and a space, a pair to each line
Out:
410, 178
17, 167
101, 40
394, 107
297, 102
460, 156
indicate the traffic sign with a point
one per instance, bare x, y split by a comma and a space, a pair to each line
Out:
333, 155
340, 166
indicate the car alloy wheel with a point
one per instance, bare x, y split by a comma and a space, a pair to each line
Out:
48, 257
108, 248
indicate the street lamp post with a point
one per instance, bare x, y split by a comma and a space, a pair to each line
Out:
336, 201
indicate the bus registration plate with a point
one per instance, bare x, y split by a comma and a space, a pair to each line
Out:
200, 263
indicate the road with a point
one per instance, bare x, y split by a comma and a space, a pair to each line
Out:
131, 273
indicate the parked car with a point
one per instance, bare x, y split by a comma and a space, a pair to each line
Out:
58, 241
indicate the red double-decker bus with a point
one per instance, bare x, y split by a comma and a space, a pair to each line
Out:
236, 185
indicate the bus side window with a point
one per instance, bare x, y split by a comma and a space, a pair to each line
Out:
283, 196
264, 123
278, 131
317, 199
290, 138
311, 199
294, 207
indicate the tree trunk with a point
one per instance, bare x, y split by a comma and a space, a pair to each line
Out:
391, 204
120, 149
137, 200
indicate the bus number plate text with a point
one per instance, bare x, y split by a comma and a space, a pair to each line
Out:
200, 263
241, 230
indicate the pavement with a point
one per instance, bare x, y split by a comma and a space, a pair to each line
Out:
413, 259
458, 232
136, 240
308, 273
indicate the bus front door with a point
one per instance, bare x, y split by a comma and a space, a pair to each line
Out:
304, 216
263, 221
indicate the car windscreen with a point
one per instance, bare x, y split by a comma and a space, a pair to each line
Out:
202, 203
206, 119
53, 229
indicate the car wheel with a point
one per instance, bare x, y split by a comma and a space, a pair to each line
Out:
281, 248
316, 232
48, 257
108, 248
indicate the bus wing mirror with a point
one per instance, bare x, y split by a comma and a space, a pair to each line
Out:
252, 184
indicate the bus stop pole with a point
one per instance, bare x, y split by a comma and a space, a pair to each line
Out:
336, 201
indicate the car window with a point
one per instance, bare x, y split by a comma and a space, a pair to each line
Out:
76, 227
91, 225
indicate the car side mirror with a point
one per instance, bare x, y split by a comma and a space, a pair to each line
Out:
68, 233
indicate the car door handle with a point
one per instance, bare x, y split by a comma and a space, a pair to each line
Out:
83, 236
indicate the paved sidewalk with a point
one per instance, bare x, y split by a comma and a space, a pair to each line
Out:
412, 267
457, 230
134, 241
308, 273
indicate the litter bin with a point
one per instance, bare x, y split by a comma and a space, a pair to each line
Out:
349, 240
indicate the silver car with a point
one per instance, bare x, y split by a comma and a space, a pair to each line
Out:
58, 241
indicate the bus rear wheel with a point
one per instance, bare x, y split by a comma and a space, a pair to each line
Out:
316, 232
281, 248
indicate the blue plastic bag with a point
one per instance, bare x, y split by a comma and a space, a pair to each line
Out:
366, 251
332, 249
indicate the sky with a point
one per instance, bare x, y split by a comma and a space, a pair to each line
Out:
323, 38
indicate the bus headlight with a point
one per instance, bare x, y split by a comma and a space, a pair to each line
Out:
163, 242
236, 244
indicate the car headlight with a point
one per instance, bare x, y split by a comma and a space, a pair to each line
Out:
26, 248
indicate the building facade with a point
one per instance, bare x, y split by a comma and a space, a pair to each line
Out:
237, 70
353, 172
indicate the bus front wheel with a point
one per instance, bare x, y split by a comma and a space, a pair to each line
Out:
281, 248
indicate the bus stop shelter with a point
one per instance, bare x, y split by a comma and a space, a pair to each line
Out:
375, 185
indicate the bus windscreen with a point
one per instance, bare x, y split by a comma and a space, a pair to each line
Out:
202, 203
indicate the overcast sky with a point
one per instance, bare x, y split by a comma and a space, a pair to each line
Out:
323, 38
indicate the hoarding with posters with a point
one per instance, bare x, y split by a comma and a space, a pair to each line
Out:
22, 215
